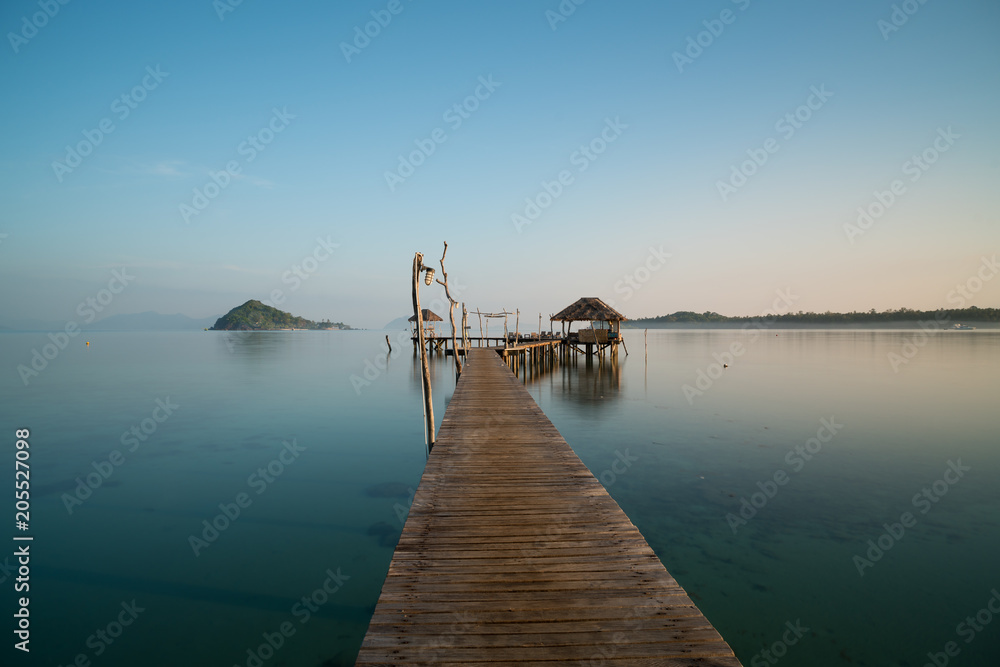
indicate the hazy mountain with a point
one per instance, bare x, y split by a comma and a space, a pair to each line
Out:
398, 324
149, 321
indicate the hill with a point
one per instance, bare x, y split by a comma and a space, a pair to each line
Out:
398, 324
256, 316
871, 317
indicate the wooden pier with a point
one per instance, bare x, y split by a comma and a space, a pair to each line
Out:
514, 553
441, 343
527, 348
532, 356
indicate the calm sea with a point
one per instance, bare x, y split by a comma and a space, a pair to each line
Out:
206, 498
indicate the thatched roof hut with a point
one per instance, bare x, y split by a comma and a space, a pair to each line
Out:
428, 315
588, 309
591, 309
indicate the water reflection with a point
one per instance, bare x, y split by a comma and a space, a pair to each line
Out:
443, 377
585, 381
582, 379
252, 344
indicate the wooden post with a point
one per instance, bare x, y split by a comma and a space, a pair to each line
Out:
418, 260
465, 331
451, 312
505, 334
388, 343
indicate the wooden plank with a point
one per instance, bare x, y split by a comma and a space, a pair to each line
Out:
513, 553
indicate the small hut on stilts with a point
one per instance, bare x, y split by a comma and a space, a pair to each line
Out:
430, 317
604, 332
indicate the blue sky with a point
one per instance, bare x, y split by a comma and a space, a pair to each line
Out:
329, 130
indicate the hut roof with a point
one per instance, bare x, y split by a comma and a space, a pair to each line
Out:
590, 309
429, 316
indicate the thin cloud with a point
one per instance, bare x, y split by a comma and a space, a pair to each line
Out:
169, 168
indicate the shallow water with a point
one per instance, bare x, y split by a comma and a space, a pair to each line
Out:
329, 509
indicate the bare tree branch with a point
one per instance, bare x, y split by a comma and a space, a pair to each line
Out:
451, 310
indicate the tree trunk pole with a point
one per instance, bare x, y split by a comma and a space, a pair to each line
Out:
506, 334
465, 331
418, 260
451, 312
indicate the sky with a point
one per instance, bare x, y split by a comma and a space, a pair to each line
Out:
184, 157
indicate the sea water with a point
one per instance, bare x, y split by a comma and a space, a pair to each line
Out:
211, 498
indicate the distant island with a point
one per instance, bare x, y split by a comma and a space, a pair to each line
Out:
867, 318
256, 316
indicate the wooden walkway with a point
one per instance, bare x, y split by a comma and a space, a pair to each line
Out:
529, 345
513, 553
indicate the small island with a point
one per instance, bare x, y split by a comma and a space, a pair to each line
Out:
256, 316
